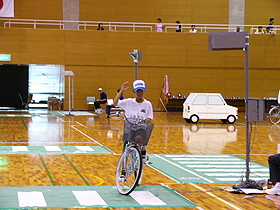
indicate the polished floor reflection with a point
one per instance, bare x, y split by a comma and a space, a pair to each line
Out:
171, 135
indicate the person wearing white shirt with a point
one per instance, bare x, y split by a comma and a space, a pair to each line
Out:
159, 25
137, 106
238, 29
193, 30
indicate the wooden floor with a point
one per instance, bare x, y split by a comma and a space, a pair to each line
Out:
171, 135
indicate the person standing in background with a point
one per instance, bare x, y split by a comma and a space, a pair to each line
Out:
179, 27
159, 25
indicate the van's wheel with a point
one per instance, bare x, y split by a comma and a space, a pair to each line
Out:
194, 118
224, 120
231, 119
188, 120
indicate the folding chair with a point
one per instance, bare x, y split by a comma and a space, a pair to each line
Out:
114, 110
90, 101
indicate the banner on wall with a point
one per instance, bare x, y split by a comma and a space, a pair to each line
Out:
165, 89
7, 8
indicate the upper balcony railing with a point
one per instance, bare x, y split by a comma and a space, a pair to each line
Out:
125, 26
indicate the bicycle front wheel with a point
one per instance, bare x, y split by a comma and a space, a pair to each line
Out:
129, 170
273, 115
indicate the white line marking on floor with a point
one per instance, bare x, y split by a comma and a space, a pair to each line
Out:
81, 124
52, 148
184, 169
84, 148
19, 149
220, 199
195, 156
91, 138
11, 115
211, 159
146, 198
237, 179
235, 174
232, 170
222, 166
164, 174
31, 199
88, 198
210, 162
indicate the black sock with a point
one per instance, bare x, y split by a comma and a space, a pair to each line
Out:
143, 152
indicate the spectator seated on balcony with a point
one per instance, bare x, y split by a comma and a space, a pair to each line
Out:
259, 30
100, 27
179, 96
193, 30
169, 95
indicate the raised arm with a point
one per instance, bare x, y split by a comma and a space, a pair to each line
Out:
123, 89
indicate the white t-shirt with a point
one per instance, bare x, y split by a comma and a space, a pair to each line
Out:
193, 31
133, 108
159, 27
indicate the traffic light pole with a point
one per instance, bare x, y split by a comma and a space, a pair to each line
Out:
137, 56
136, 70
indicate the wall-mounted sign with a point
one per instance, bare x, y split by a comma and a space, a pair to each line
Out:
5, 57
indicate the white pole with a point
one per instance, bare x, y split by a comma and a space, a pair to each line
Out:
69, 95
73, 92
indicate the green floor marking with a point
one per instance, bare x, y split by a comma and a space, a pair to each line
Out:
47, 170
82, 177
192, 168
57, 149
24, 123
63, 197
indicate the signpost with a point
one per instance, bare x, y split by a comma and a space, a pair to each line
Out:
137, 56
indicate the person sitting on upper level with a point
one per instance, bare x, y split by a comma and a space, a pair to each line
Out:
238, 29
193, 30
100, 27
259, 30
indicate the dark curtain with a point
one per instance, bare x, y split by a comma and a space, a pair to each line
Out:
13, 84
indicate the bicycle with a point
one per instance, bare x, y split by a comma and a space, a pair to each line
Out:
129, 171
274, 115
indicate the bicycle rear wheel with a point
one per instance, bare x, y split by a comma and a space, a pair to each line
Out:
129, 170
273, 115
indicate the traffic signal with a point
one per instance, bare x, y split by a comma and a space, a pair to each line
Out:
136, 55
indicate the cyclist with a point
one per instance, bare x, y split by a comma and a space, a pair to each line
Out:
136, 107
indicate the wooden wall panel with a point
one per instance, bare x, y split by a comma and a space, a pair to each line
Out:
138, 11
41, 46
208, 11
95, 10
259, 13
39, 9
101, 59
171, 11
186, 11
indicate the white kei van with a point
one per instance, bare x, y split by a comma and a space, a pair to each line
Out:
208, 106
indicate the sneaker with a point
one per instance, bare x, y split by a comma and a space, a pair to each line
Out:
145, 159
273, 191
122, 176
